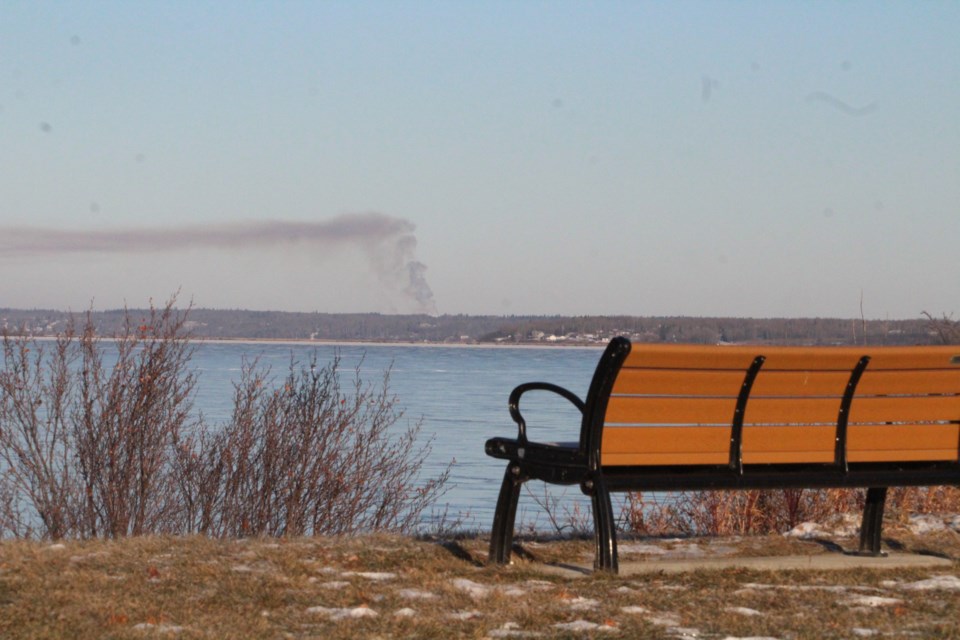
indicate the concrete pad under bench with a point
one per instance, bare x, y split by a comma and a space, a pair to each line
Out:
819, 562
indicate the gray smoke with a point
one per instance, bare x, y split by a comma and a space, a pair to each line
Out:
388, 242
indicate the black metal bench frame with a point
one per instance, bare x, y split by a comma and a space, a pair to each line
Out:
579, 464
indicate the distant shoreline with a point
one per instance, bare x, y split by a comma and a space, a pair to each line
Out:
542, 332
388, 343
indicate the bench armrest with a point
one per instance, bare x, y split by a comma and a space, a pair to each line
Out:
514, 403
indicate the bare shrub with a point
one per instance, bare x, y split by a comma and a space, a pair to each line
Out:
85, 431
736, 512
308, 457
35, 437
132, 405
563, 520
903, 501
946, 328
98, 438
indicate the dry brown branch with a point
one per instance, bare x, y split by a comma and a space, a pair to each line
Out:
946, 328
309, 457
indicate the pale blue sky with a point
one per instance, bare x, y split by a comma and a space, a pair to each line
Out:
689, 158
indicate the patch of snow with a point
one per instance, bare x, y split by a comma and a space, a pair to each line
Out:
759, 586
158, 628
635, 609
370, 575
922, 524
241, 568
512, 630
750, 638
692, 550
539, 585
954, 523
406, 612
858, 600
806, 531
860, 632
641, 549
744, 611
665, 620
344, 613
416, 594
512, 591
90, 556
583, 604
583, 625
464, 615
334, 584
57, 547
943, 583
847, 525
474, 589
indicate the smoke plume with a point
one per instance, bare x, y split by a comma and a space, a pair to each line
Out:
389, 243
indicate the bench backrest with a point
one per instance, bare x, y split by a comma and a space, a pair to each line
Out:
742, 405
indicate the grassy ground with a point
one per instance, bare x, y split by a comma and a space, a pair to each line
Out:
398, 587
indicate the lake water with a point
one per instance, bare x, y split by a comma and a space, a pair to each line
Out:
459, 394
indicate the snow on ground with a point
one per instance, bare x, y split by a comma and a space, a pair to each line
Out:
513, 630
641, 549
635, 609
464, 615
924, 524
478, 591
849, 526
857, 600
416, 594
664, 620
584, 626
942, 582
334, 584
149, 627
344, 613
474, 589
751, 587
370, 575
583, 604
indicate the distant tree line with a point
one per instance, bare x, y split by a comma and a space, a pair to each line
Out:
375, 327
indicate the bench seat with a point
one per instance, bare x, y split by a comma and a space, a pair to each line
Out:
686, 417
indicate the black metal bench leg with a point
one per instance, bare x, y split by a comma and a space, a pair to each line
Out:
501, 537
872, 523
605, 530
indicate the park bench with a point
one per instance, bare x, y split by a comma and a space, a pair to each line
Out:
661, 417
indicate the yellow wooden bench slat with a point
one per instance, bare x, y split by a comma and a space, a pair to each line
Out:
639, 410
776, 383
905, 409
673, 356
779, 444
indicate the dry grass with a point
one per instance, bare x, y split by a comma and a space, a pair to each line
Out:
769, 511
400, 587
